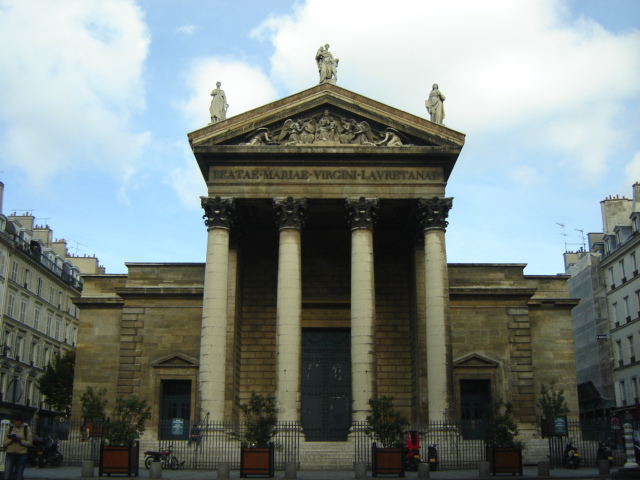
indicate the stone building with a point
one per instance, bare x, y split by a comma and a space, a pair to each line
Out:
38, 277
612, 314
326, 283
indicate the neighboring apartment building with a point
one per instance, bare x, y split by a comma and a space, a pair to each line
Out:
615, 333
39, 321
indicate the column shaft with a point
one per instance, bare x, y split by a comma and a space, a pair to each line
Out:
288, 329
213, 339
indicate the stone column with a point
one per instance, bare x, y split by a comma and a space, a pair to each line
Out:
432, 214
290, 214
362, 216
219, 214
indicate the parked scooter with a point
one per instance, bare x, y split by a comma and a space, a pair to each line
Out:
432, 456
412, 459
605, 452
44, 451
571, 456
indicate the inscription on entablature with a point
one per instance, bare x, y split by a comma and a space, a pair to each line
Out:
326, 175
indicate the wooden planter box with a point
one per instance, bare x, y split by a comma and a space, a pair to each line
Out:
387, 461
257, 461
119, 460
504, 460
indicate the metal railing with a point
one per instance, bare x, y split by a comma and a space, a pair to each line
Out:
460, 446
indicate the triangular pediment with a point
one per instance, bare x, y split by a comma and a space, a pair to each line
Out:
176, 359
326, 116
475, 360
325, 119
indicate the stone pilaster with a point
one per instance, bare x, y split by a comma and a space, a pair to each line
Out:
362, 216
290, 215
432, 214
219, 214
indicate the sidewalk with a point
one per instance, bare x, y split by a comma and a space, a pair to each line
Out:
73, 473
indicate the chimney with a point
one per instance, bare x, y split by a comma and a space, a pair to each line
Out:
636, 197
1, 196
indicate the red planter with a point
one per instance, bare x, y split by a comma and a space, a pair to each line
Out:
387, 461
119, 460
504, 460
257, 461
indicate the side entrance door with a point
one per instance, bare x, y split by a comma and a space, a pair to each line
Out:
475, 407
326, 384
175, 409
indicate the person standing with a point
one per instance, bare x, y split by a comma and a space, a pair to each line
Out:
16, 442
219, 105
434, 105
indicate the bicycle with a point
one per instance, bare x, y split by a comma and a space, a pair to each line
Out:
166, 458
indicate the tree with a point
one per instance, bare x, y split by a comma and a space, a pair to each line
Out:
261, 418
552, 401
56, 384
94, 404
386, 425
131, 415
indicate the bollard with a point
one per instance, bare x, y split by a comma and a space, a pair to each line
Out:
223, 470
604, 467
290, 470
87, 469
156, 470
361, 470
484, 469
423, 470
543, 469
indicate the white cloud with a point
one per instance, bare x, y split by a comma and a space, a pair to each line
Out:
187, 29
245, 87
72, 79
632, 170
523, 69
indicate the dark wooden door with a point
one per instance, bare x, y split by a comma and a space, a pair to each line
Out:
475, 407
326, 384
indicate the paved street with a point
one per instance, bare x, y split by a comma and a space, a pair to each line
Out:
73, 473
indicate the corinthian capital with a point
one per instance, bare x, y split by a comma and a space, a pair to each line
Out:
290, 212
433, 212
219, 212
362, 213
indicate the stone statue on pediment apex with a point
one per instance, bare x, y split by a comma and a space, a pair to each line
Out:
327, 65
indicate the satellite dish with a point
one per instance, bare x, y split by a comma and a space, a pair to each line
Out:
14, 391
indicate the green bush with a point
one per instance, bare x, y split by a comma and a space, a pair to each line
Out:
130, 418
386, 426
260, 417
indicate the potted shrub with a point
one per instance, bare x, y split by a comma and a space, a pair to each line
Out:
120, 448
386, 428
504, 452
94, 414
554, 411
257, 449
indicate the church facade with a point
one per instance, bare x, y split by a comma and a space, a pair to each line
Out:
326, 283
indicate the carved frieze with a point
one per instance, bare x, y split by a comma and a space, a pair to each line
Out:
219, 212
290, 212
327, 129
362, 213
433, 212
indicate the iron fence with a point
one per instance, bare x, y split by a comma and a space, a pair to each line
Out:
460, 445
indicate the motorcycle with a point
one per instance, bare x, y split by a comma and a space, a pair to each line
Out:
44, 451
571, 456
165, 457
432, 457
412, 446
605, 452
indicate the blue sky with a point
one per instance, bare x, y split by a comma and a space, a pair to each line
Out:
99, 96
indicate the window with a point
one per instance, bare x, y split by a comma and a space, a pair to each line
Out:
36, 319
49, 321
612, 278
34, 353
52, 293
57, 333
64, 333
27, 278
623, 275
623, 393
627, 312
634, 389
10, 304
634, 263
23, 310
3, 261
614, 315
14, 271
632, 350
619, 351
39, 290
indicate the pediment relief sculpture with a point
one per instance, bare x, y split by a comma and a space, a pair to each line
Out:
327, 129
